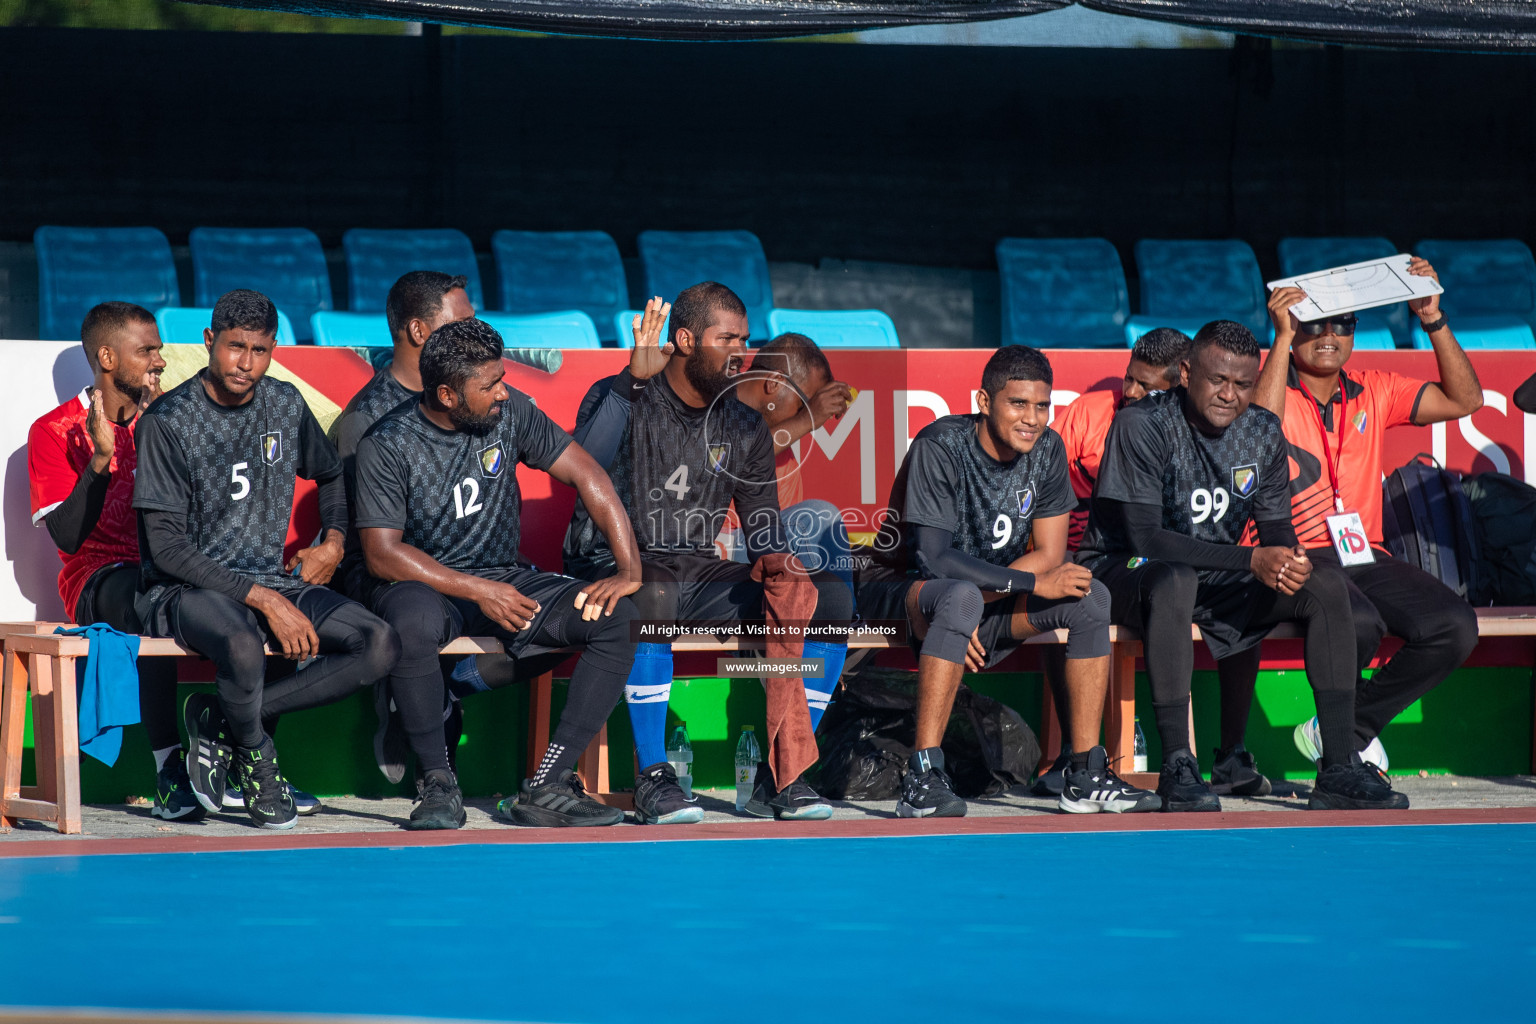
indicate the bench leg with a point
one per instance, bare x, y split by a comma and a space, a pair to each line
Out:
539, 700
13, 712
66, 729
1050, 729
1120, 705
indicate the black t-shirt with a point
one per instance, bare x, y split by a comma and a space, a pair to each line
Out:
1207, 487
677, 471
452, 494
381, 395
230, 471
948, 482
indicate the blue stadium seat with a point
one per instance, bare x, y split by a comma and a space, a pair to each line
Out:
1490, 290
183, 325
624, 327
1186, 283
552, 271
78, 268
377, 258
569, 328
836, 328
1062, 292
285, 264
1302, 255
353, 330
675, 260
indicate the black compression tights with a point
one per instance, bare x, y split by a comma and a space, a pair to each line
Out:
356, 649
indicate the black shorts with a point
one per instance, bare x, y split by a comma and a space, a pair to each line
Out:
1225, 601
545, 632
159, 609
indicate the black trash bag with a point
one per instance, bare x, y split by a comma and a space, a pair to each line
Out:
866, 738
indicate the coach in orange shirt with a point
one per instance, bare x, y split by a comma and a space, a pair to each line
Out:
1335, 423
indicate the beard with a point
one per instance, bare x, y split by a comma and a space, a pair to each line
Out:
475, 426
708, 382
133, 390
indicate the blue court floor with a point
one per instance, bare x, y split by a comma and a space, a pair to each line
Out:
1396, 923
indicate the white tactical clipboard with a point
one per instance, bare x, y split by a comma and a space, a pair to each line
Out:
1378, 282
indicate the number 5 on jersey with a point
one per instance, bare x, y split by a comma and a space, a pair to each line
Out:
239, 481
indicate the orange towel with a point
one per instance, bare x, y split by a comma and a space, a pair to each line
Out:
789, 599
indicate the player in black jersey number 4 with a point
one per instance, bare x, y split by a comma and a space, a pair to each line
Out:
439, 510
214, 488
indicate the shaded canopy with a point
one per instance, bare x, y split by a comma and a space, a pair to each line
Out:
1475, 25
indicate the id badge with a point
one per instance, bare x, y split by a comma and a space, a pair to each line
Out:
1349, 540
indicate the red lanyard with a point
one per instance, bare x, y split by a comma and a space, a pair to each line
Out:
1331, 457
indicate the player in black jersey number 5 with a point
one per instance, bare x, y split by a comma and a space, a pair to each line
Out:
214, 488
439, 510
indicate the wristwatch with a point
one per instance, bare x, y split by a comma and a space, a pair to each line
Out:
1435, 324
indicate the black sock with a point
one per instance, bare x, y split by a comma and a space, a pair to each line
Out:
1172, 724
419, 700
926, 758
1336, 722
1078, 761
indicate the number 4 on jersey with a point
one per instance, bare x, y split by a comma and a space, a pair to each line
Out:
677, 483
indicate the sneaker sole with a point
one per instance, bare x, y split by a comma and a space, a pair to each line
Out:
1309, 750
906, 810
538, 817
1336, 802
277, 826
305, 810
757, 810
1260, 788
1111, 806
815, 812
392, 768
163, 814
1185, 806
685, 816
434, 824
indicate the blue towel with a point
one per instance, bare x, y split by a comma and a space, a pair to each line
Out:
109, 690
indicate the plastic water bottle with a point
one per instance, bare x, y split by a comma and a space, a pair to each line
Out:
747, 756
680, 757
1139, 751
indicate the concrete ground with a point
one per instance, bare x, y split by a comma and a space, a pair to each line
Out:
346, 814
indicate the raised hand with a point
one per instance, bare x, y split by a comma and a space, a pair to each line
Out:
1280, 302
649, 356
1427, 308
101, 432
832, 400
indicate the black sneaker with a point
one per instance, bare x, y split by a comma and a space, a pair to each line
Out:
659, 799
1236, 772
1095, 788
440, 805
210, 753
1054, 780
390, 744
795, 802
303, 803
928, 794
1359, 786
267, 798
1182, 788
174, 799
559, 803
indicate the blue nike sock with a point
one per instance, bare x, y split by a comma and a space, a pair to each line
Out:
818, 689
646, 692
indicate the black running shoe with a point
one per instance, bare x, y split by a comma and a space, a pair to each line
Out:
1095, 788
560, 802
440, 805
659, 799
795, 802
1054, 780
1182, 788
174, 799
1359, 786
1236, 772
267, 798
390, 744
210, 751
928, 794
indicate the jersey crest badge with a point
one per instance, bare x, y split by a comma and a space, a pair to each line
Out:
272, 447
1026, 500
1244, 478
1358, 419
491, 460
718, 454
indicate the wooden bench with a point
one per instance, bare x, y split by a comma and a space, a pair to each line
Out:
40, 665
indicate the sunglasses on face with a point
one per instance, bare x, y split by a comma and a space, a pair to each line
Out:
1342, 327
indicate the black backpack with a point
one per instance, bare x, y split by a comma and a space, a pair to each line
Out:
1504, 510
1427, 521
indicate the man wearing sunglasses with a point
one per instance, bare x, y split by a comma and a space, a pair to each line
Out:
1335, 423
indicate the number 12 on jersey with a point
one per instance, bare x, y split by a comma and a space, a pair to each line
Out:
466, 498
